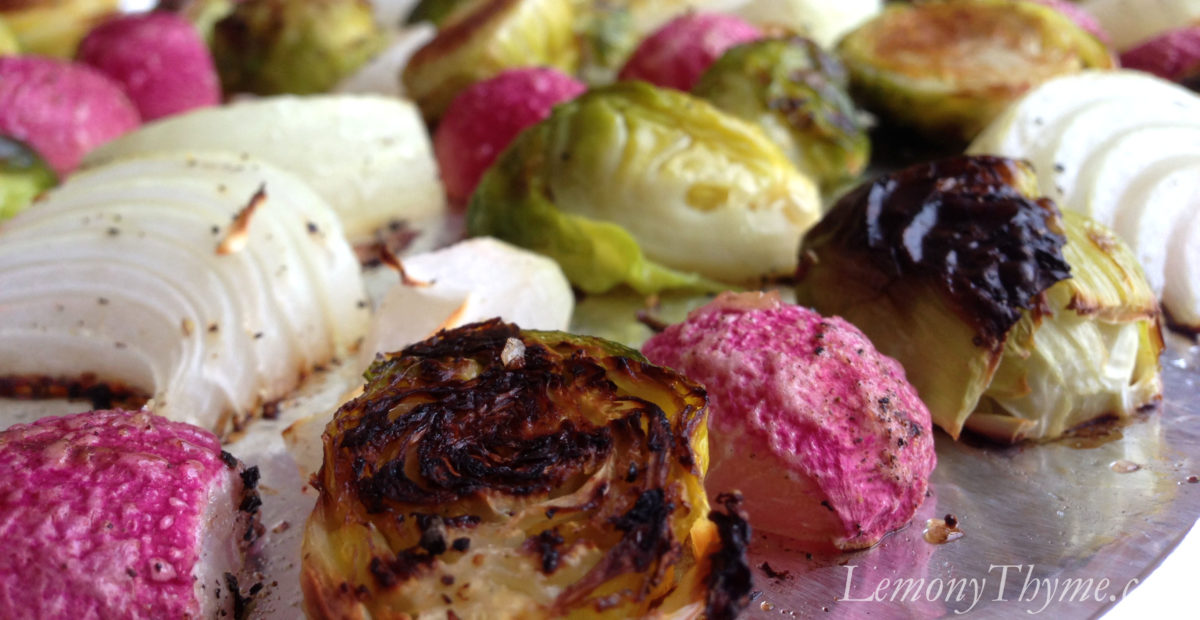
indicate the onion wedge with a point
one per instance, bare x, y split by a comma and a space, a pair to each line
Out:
211, 282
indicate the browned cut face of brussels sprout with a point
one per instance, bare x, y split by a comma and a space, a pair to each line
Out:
946, 68
1009, 318
651, 188
491, 472
281, 46
485, 40
796, 92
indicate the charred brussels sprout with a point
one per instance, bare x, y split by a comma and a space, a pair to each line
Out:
1011, 320
282, 46
796, 93
23, 175
491, 472
946, 68
632, 184
486, 39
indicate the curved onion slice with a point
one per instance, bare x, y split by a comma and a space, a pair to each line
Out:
211, 281
471, 281
368, 156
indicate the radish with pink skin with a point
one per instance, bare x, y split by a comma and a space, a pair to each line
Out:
823, 435
483, 119
676, 54
61, 109
158, 58
1174, 55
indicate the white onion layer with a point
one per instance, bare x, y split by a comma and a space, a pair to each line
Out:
117, 273
369, 156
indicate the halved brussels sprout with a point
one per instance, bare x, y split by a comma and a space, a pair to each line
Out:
23, 175
796, 93
493, 472
632, 184
271, 47
486, 39
1010, 319
946, 68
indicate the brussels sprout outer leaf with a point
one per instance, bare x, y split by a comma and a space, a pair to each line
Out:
596, 256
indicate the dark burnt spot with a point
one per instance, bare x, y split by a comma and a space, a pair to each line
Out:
770, 572
730, 580
959, 224
546, 545
647, 527
229, 460
250, 477
461, 545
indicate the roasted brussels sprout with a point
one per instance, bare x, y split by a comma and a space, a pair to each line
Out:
1010, 319
946, 68
23, 175
53, 27
483, 41
633, 184
491, 472
282, 46
796, 93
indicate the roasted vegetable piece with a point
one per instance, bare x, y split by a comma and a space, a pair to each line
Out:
632, 184
491, 472
796, 93
23, 175
1010, 319
61, 109
158, 58
485, 40
53, 27
678, 53
946, 68
828, 443
271, 47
